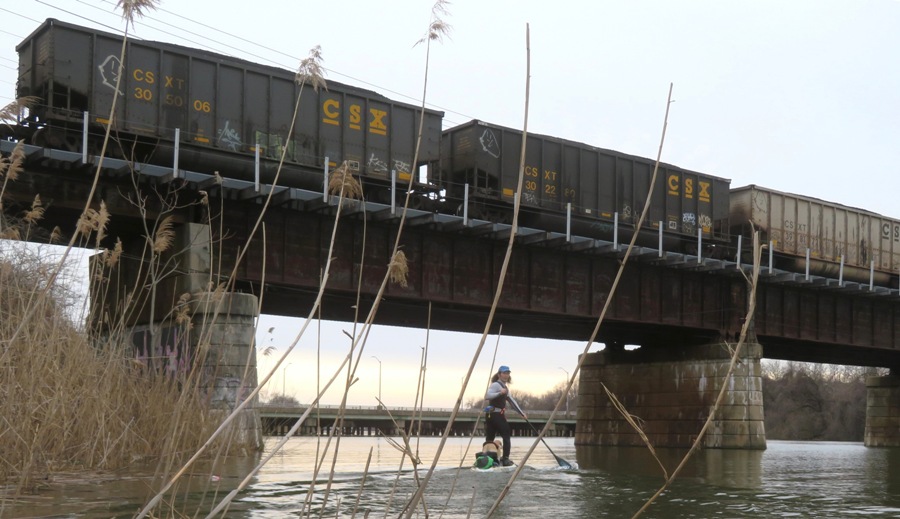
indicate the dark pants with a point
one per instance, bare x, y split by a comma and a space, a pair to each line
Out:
495, 423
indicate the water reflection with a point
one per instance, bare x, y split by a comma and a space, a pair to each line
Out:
789, 479
726, 467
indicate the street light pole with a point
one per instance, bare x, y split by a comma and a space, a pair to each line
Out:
379, 378
283, 377
566, 389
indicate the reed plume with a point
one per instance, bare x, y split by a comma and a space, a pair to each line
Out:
135, 8
311, 72
10, 113
342, 181
398, 269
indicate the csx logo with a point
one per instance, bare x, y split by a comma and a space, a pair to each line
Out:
886, 233
676, 188
331, 109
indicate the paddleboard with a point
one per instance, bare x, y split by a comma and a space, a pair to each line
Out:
496, 468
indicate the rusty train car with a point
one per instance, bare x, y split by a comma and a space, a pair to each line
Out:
841, 241
225, 110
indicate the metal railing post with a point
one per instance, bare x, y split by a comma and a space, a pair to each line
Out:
841, 274
84, 139
393, 192
807, 263
466, 206
660, 238
616, 230
256, 169
325, 182
699, 244
175, 171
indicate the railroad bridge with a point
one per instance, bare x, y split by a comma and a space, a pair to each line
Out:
685, 311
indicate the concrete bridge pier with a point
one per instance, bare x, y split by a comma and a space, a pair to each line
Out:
226, 324
190, 321
672, 391
883, 411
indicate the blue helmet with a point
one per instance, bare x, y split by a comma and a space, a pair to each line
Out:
503, 369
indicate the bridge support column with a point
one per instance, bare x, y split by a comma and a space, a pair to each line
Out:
672, 391
212, 329
883, 411
227, 325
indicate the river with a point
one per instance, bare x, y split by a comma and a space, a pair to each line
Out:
789, 479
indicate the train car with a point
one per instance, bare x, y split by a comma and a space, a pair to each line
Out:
217, 103
868, 242
598, 183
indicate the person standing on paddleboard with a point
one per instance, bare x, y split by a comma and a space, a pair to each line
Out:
495, 412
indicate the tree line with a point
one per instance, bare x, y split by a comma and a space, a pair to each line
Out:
801, 401
815, 402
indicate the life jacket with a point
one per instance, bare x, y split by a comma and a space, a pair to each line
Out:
499, 402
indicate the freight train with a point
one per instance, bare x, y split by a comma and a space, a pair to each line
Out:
219, 113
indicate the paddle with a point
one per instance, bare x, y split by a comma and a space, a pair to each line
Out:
562, 463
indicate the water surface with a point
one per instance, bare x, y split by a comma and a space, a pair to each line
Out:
789, 479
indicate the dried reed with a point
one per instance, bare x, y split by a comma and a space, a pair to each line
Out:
501, 279
65, 402
752, 283
609, 298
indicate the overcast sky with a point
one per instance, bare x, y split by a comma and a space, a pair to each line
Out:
800, 96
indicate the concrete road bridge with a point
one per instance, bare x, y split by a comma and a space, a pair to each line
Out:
394, 421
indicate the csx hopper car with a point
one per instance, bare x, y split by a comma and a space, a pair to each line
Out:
224, 110
596, 186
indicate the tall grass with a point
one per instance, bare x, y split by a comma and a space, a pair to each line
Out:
68, 402
74, 397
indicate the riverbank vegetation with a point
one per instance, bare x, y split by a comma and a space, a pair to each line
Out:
815, 402
69, 401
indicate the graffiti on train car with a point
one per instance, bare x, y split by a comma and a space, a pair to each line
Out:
109, 72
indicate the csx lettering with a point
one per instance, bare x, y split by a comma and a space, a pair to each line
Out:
377, 125
549, 175
144, 76
674, 185
531, 171
174, 82
331, 109
689, 188
355, 116
704, 191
